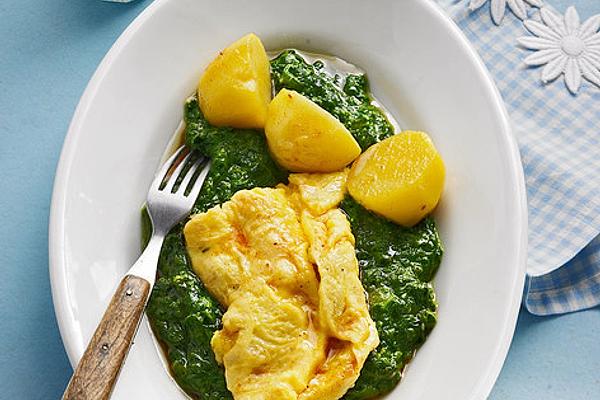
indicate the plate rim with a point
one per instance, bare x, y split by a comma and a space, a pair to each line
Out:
56, 228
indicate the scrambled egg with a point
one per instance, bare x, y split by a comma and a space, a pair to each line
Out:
282, 262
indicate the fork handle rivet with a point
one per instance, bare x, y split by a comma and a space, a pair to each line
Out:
128, 292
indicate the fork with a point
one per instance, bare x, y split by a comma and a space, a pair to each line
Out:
170, 199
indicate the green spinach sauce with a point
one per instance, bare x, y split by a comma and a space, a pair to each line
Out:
397, 264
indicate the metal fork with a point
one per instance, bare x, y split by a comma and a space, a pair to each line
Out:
170, 200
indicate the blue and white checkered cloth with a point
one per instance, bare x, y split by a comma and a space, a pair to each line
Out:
559, 140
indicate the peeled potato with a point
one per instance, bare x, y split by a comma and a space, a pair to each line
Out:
400, 178
303, 137
235, 89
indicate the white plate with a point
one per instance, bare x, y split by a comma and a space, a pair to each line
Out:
420, 66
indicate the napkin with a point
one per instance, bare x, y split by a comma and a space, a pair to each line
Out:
557, 126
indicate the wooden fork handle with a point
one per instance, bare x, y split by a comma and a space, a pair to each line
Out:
99, 367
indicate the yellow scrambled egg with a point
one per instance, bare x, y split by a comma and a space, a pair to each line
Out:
282, 262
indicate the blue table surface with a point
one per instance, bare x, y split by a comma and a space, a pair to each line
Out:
48, 52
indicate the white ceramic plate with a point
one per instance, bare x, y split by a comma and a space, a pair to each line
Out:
420, 67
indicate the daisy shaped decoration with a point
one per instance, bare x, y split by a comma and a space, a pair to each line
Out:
498, 7
565, 46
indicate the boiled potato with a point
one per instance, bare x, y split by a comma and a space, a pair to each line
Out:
235, 89
400, 178
303, 137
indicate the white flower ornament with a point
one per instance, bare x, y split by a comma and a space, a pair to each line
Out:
498, 7
564, 46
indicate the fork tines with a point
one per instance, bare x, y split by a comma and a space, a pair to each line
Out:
180, 171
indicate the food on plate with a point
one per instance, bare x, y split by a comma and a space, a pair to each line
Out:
183, 315
303, 137
397, 266
288, 277
401, 178
287, 286
235, 88
347, 98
